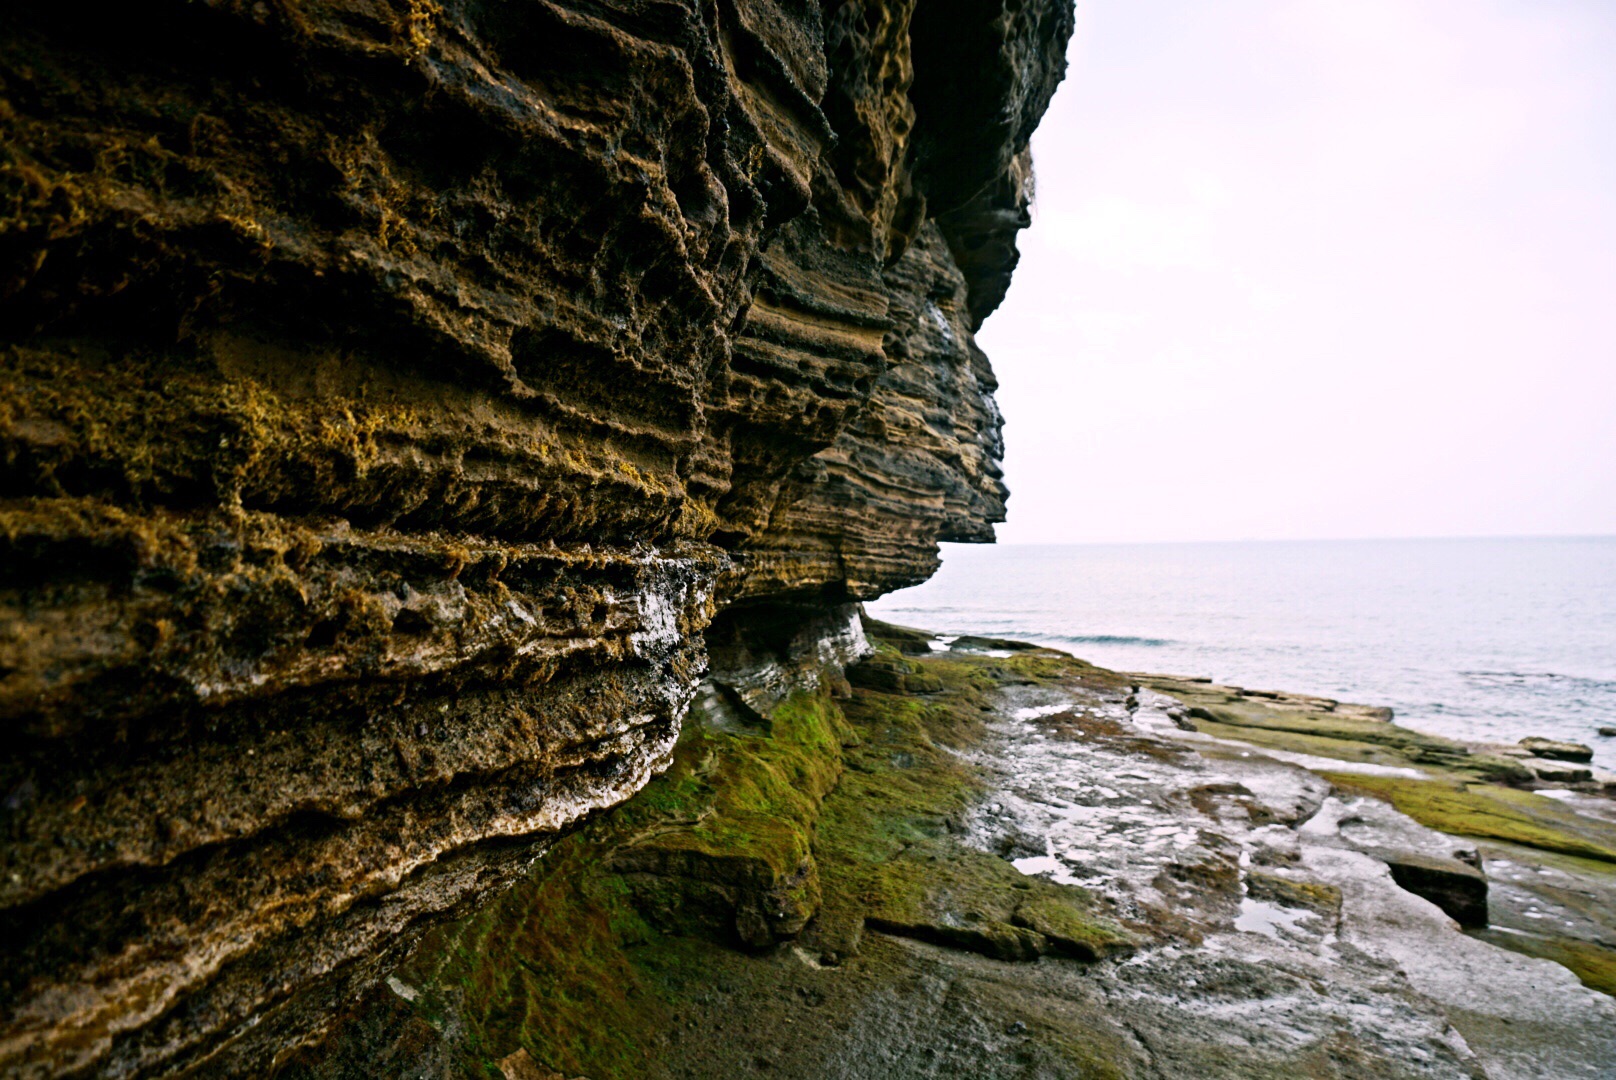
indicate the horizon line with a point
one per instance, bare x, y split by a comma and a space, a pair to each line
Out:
1293, 539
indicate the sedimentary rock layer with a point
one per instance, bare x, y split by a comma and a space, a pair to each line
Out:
391, 393
249, 753
919, 463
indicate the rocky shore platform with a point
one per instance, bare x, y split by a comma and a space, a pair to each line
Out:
978, 858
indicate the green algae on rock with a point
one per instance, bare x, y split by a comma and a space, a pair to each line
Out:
828, 819
1325, 899
1593, 963
889, 833
1490, 812
1469, 793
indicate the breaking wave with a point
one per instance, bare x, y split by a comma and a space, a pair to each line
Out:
1112, 639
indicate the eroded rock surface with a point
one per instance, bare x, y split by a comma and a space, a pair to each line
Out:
391, 394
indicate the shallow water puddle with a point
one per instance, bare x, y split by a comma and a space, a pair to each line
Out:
1262, 917
1039, 864
1035, 712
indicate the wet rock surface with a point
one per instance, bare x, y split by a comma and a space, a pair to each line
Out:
1033, 870
1124, 831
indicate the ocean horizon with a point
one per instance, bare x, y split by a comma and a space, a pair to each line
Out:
1476, 638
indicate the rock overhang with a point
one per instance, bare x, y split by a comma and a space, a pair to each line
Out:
393, 394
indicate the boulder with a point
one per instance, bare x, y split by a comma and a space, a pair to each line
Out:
892, 677
1557, 749
1459, 889
1557, 772
906, 639
974, 643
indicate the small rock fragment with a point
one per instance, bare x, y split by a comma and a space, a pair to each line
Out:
521, 1066
1072, 932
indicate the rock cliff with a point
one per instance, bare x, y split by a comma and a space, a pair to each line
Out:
394, 392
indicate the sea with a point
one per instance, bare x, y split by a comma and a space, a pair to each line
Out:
1476, 639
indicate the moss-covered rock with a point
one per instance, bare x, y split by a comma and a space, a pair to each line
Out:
1288, 892
732, 849
1325, 728
1592, 962
826, 820
1489, 812
1072, 928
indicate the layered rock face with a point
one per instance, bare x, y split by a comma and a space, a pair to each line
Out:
392, 393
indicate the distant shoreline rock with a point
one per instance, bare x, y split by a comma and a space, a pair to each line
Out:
1557, 749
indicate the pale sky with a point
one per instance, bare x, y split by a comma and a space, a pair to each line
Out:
1318, 268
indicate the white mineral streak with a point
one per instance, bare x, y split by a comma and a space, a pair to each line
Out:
846, 645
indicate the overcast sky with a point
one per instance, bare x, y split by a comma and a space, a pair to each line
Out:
1319, 268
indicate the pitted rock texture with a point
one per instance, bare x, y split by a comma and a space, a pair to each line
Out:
391, 394
919, 463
